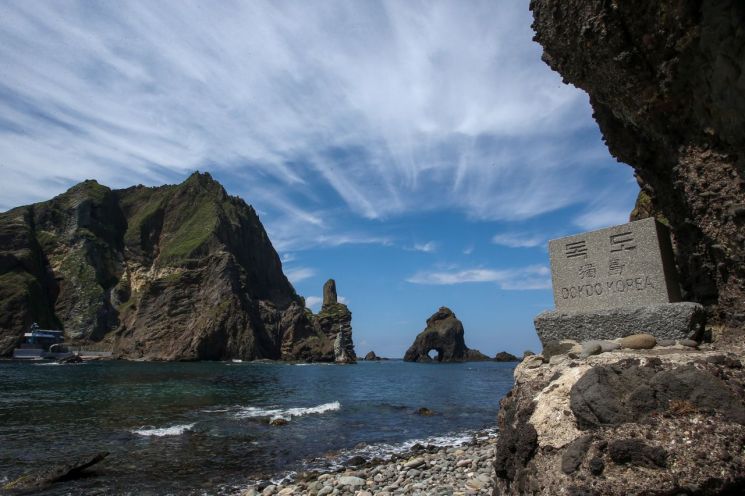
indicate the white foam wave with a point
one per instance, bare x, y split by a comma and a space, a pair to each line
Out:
286, 413
385, 451
174, 430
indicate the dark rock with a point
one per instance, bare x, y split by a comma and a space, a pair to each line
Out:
329, 293
518, 439
355, 461
596, 466
278, 421
444, 334
424, 412
372, 356
575, 453
71, 359
637, 452
503, 356
626, 392
45, 477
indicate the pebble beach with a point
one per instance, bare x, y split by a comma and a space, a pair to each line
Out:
425, 470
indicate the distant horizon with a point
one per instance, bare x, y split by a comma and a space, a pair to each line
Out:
421, 157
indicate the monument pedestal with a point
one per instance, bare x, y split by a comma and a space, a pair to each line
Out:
684, 320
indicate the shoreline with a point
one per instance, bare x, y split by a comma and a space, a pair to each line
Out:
458, 470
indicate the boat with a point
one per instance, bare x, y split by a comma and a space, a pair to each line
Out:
41, 344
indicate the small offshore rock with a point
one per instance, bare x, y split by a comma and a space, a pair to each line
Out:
638, 342
503, 356
278, 421
356, 461
424, 412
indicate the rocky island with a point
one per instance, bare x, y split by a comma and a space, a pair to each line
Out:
443, 334
177, 272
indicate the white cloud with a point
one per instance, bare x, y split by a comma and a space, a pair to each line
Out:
468, 250
428, 247
531, 277
518, 239
603, 217
313, 302
295, 275
379, 106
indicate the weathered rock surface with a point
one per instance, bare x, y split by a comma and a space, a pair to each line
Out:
666, 321
666, 83
444, 334
371, 356
626, 422
178, 272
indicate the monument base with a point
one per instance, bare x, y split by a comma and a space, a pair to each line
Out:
664, 321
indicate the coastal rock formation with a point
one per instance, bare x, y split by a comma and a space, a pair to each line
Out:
624, 422
503, 356
443, 334
325, 337
666, 82
371, 356
178, 272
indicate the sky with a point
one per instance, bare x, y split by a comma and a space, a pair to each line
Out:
418, 152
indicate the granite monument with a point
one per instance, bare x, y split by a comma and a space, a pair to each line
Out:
616, 282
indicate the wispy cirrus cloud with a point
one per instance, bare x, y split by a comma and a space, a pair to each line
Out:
518, 239
531, 277
297, 274
374, 107
428, 247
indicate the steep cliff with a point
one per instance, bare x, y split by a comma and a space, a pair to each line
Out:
443, 334
666, 82
180, 272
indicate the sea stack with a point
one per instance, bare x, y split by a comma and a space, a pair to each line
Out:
336, 319
444, 334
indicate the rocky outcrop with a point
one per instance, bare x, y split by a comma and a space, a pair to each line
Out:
178, 272
325, 337
443, 334
371, 356
666, 82
503, 356
624, 422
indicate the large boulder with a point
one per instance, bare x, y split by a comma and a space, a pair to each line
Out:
443, 334
624, 422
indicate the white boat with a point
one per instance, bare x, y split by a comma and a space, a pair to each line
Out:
41, 343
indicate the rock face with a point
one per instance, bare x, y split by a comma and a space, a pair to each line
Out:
178, 272
666, 83
443, 334
625, 422
325, 337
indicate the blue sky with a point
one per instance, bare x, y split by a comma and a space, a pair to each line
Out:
420, 153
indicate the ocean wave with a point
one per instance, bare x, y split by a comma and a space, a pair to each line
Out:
174, 430
286, 413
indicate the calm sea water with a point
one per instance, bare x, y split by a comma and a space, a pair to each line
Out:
202, 428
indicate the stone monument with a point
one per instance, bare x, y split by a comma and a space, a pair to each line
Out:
616, 282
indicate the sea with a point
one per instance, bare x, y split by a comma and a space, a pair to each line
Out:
203, 428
